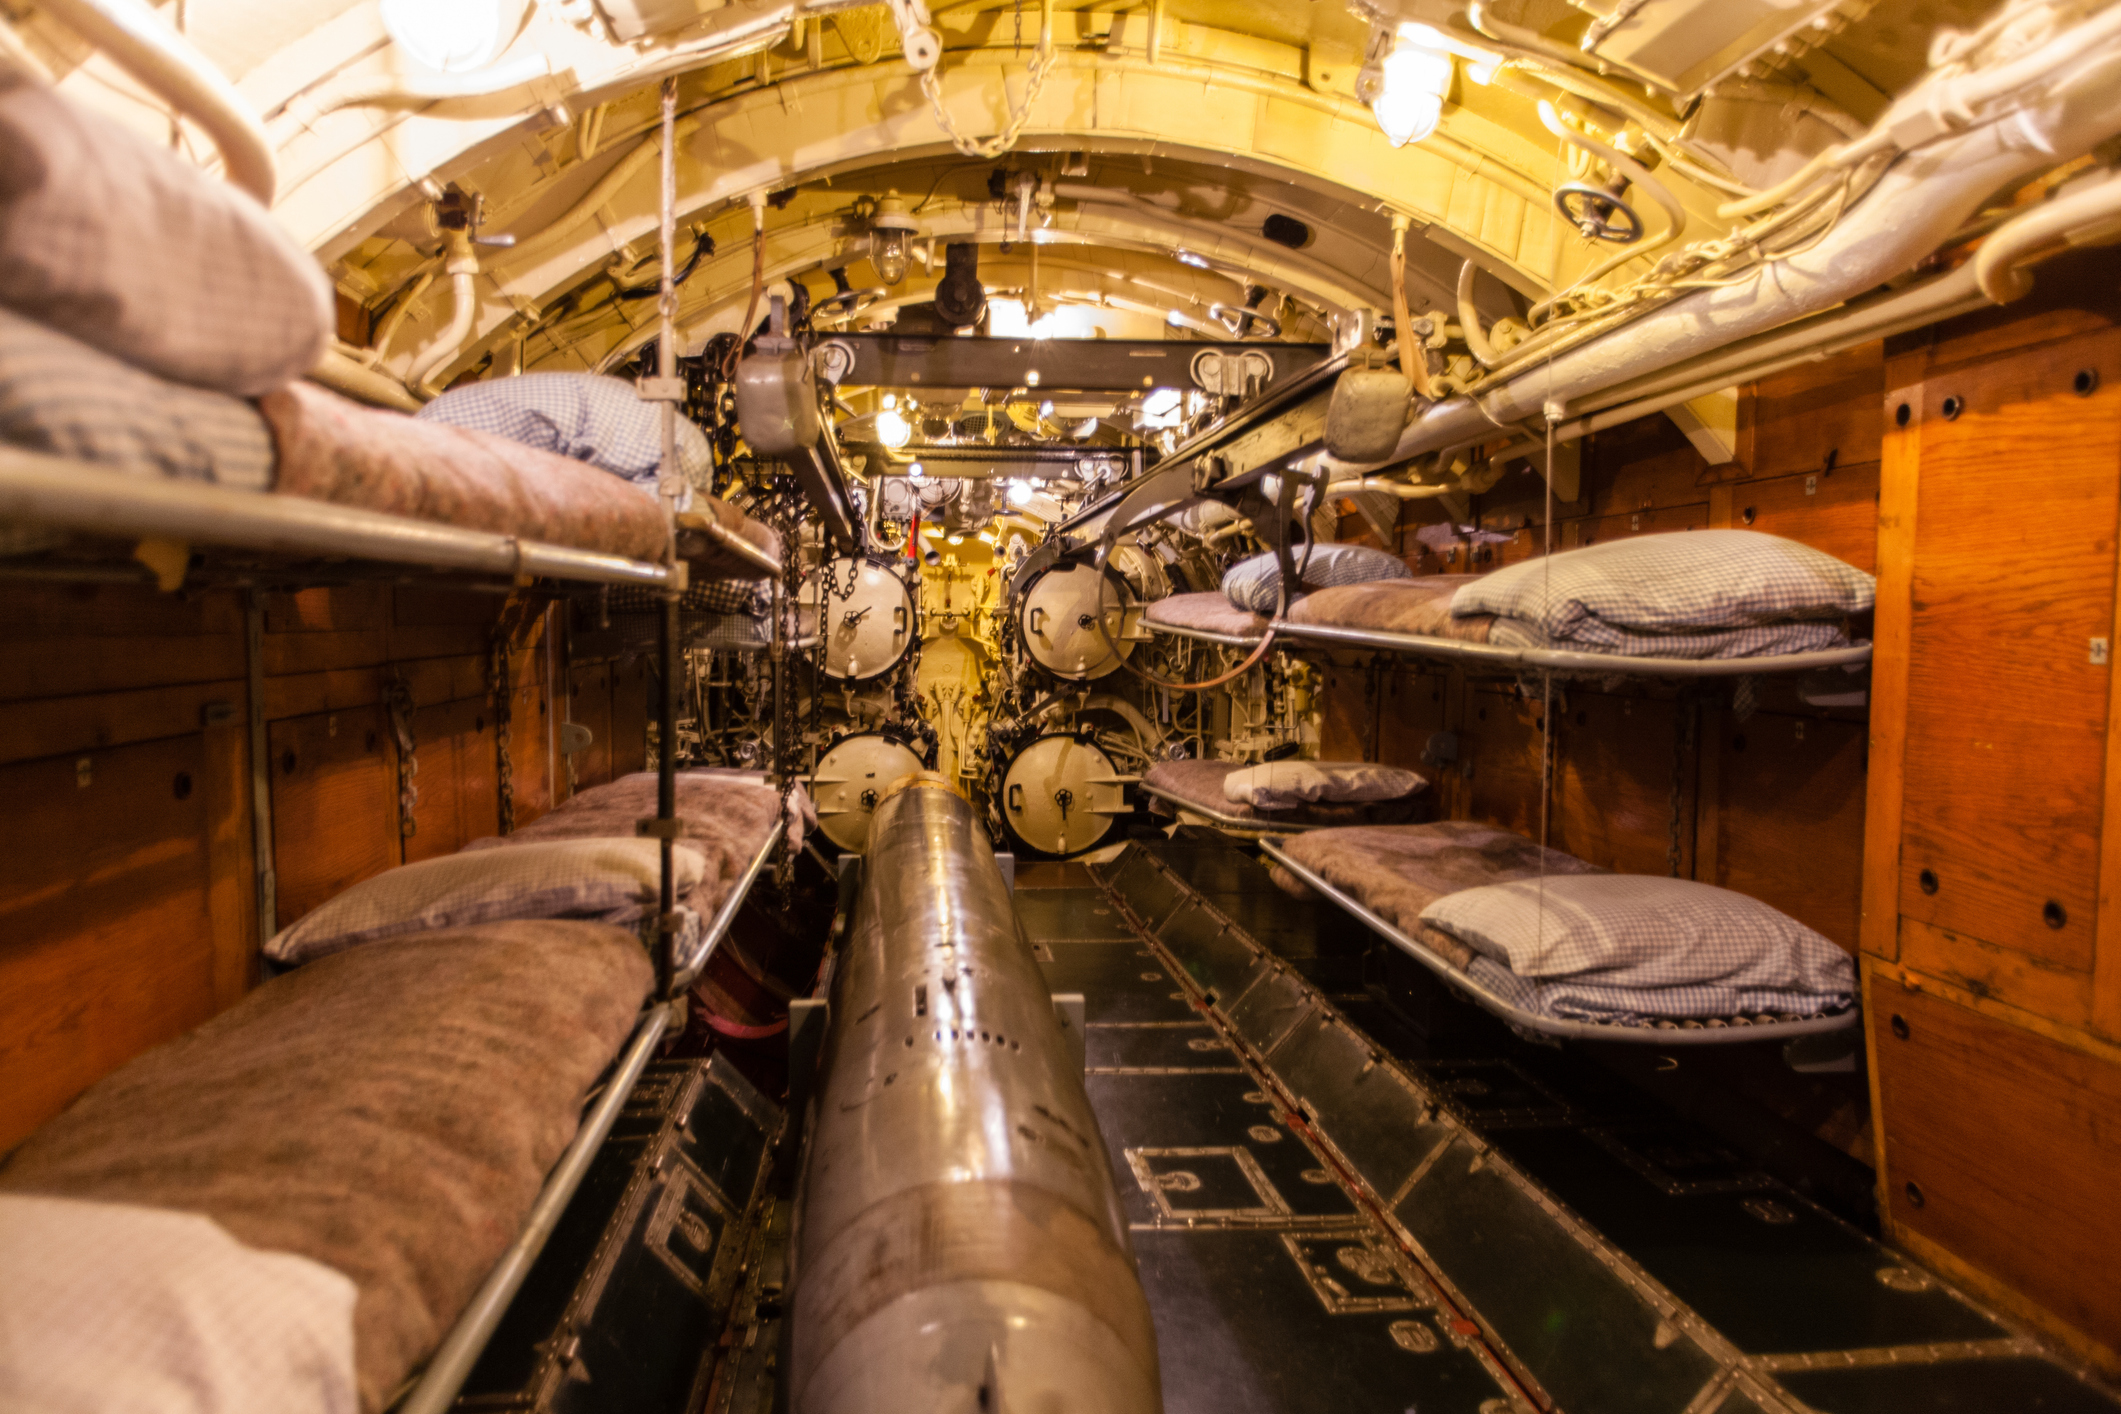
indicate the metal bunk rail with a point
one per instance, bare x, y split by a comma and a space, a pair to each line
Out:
1255, 825
92, 500
1726, 1030
1201, 635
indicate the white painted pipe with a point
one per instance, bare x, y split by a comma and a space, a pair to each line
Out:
137, 40
397, 90
2084, 217
1920, 200
342, 373
463, 270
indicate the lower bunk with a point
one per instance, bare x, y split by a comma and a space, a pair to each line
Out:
1563, 950
328, 1197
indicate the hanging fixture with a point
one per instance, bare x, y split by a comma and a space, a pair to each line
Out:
1409, 75
891, 231
452, 36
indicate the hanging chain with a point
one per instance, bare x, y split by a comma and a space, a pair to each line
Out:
1682, 743
986, 149
502, 684
786, 748
398, 696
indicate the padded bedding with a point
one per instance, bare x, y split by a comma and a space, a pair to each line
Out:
1397, 871
1211, 612
390, 1112
1420, 605
726, 816
1201, 782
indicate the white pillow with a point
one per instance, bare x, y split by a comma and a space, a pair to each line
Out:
1255, 584
1289, 785
1640, 930
113, 1309
613, 880
1679, 582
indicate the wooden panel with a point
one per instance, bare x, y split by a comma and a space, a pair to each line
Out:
1996, 974
2012, 1143
106, 940
232, 893
1819, 414
1835, 511
1500, 741
590, 705
1613, 800
530, 737
334, 804
1789, 817
346, 609
2005, 709
458, 799
1899, 475
1641, 465
1577, 534
632, 688
1348, 710
55, 725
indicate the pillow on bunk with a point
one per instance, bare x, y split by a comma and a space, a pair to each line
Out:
1641, 931
1291, 785
58, 395
1255, 584
611, 880
587, 416
1681, 582
1757, 641
144, 256
114, 1306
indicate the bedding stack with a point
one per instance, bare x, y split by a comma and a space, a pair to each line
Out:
1299, 795
157, 322
1689, 594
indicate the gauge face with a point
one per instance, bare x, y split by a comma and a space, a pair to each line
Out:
868, 630
1060, 632
851, 778
1061, 795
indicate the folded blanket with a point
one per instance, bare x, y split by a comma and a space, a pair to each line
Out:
586, 416
1682, 583
134, 251
1397, 871
334, 450
1211, 612
1588, 999
1201, 783
62, 397
1594, 636
1420, 605
1255, 584
389, 1112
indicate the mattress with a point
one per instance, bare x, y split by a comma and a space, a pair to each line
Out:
1201, 784
1421, 605
1211, 612
390, 1112
727, 815
1397, 871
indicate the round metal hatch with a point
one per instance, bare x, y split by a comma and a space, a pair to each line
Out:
851, 778
1059, 631
868, 630
1061, 794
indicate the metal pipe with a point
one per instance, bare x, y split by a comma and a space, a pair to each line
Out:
342, 373
62, 492
460, 1350
137, 40
403, 89
463, 271
718, 927
2080, 217
960, 1241
1564, 660
670, 483
1469, 317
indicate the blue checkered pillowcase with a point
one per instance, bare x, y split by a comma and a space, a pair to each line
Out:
595, 419
1641, 931
1255, 584
1678, 583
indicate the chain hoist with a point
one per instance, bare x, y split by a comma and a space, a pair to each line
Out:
398, 697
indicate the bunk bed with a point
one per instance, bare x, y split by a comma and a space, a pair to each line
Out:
1195, 791
1392, 877
1207, 617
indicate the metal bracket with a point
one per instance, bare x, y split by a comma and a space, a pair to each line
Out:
1007, 863
660, 390
917, 34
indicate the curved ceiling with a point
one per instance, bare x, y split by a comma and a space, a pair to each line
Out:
1162, 137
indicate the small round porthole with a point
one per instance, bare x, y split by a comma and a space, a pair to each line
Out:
1914, 1195
1928, 880
1952, 408
2054, 915
1747, 515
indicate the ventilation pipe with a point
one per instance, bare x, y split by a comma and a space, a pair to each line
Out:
463, 272
1917, 204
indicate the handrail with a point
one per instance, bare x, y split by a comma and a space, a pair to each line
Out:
166, 64
466, 1342
729, 540
725, 915
1488, 1000
62, 492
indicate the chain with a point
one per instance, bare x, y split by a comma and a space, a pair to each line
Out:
786, 749
502, 685
989, 148
1682, 742
398, 696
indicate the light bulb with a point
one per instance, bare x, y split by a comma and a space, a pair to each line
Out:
1161, 403
1019, 494
1410, 92
892, 429
916, 471
957, 539
890, 255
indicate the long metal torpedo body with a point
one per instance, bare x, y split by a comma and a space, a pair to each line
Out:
959, 1242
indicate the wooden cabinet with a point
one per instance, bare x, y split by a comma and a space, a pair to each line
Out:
1991, 928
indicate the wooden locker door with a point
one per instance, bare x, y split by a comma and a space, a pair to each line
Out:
334, 804
2008, 689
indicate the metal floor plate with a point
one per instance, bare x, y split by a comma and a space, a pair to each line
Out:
1315, 1198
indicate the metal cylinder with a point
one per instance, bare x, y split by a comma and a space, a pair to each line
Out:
959, 1241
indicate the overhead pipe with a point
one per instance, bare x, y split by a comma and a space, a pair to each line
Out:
463, 272
2089, 216
398, 90
1918, 201
167, 64
341, 372
1469, 317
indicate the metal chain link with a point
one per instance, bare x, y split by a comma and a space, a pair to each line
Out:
1019, 114
785, 748
1682, 742
502, 684
398, 696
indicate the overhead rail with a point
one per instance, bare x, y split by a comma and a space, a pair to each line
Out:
93, 500
1715, 1031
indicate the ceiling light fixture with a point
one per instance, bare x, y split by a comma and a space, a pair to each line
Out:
891, 231
1407, 88
892, 429
453, 36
